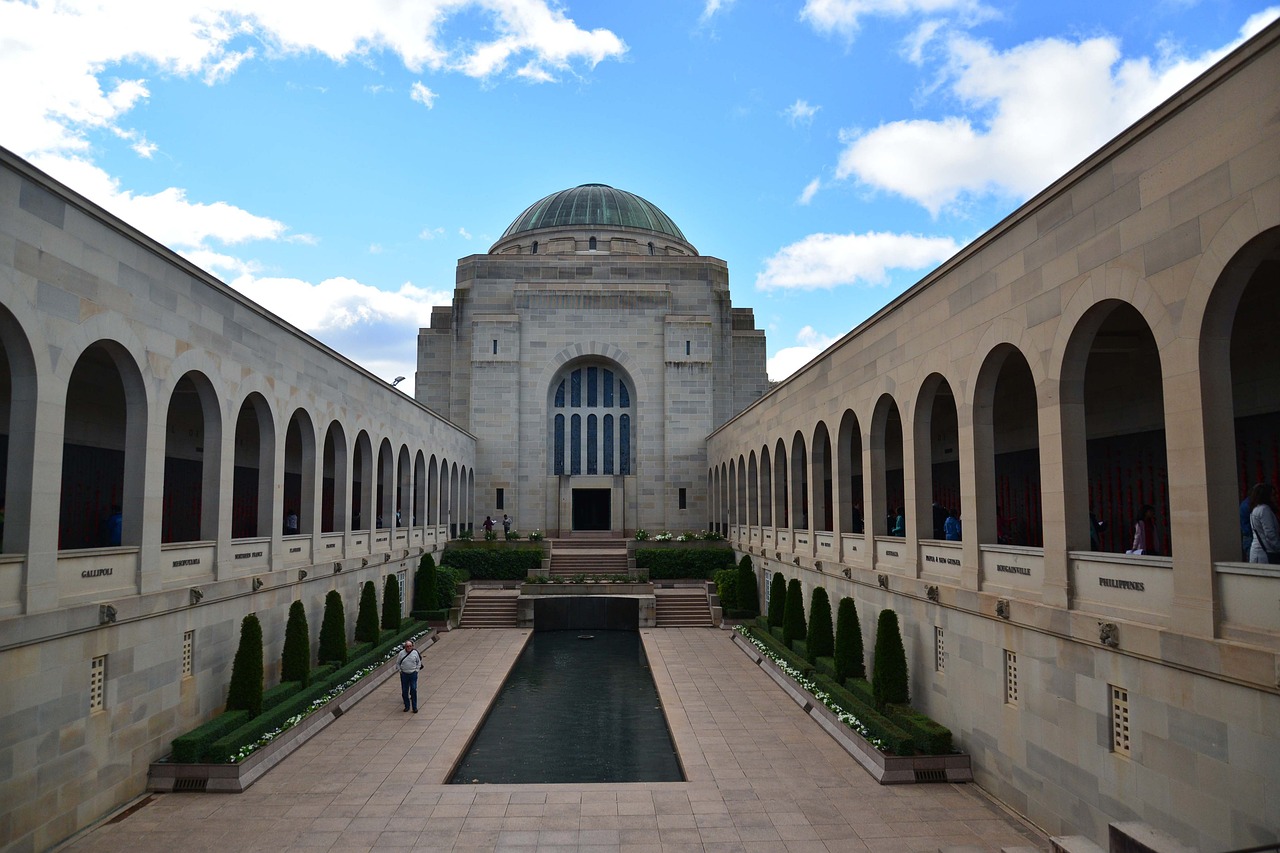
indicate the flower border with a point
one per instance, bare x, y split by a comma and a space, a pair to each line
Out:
333, 693
821, 695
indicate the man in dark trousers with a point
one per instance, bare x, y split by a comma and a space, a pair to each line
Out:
409, 661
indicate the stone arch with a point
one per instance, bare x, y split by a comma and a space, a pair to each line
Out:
936, 446
104, 447
253, 468
766, 488
888, 467
849, 471
192, 459
300, 473
20, 380
1111, 390
822, 477
335, 479
1006, 426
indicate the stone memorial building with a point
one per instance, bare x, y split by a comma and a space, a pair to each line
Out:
590, 353
1106, 354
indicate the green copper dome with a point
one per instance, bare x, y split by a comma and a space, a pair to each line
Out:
592, 205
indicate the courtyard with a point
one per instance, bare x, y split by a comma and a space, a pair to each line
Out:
761, 777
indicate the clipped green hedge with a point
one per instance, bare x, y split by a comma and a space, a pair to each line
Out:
447, 580
684, 563
191, 747
899, 735
727, 587
219, 739
930, 736
429, 615
896, 739
493, 563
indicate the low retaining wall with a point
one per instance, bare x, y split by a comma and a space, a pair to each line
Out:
885, 769
166, 776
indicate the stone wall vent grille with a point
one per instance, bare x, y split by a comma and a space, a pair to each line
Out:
195, 785
938, 775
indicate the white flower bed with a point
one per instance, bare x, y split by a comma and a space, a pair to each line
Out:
320, 701
821, 695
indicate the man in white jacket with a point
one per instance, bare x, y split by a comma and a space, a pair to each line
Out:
409, 661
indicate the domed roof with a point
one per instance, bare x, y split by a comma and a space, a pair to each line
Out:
594, 205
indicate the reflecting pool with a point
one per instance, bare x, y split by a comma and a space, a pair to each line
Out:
578, 706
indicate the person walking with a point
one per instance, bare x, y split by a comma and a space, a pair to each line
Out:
409, 662
506, 523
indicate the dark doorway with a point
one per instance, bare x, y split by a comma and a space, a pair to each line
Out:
591, 509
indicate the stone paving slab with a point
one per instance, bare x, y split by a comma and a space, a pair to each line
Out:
762, 776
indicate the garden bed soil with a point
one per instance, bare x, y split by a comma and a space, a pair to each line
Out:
885, 769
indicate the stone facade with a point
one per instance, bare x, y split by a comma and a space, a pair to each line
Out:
158, 429
644, 306
1111, 344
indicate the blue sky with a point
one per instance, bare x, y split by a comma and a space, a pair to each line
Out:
334, 160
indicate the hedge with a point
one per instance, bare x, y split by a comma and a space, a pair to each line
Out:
429, 615
896, 740
902, 729
684, 563
245, 691
391, 604
367, 630
748, 587
889, 679
447, 580
820, 641
221, 749
777, 600
727, 587
333, 630
793, 624
295, 657
848, 654
189, 748
494, 563
424, 584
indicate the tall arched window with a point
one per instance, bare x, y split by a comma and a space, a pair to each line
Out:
599, 439
534, 250
591, 244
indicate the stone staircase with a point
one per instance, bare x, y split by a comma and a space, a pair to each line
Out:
683, 607
490, 609
588, 556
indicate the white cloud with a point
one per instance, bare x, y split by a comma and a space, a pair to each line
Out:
422, 95
375, 249
431, 233
843, 17
144, 148
788, 360
1031, 113
809, 191
711, 7
63, 53
377, 329
464, 234
831, 260
167, 216
801, 112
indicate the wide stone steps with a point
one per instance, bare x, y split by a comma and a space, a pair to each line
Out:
682, 609
588, 556
490, 610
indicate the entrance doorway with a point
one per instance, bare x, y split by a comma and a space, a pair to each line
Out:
592, 509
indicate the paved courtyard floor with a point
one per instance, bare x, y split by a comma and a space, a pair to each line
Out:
761, 777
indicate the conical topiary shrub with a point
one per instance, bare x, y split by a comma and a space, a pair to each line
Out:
391, 604
820, 642
793, 627
295, 659
849, 663
367, 614
748, 589
245, 692
424, 584
777, 600
333, 630
889, 684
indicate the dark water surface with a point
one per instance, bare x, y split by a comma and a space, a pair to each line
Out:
574, 710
